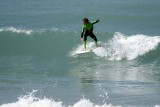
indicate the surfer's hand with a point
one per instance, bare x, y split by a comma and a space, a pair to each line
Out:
97, 20
82, 39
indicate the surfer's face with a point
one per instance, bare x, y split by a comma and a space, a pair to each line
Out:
84, 22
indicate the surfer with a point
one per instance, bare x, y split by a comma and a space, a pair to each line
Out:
87, 30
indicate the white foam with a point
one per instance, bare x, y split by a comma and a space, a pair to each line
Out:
127, 47
88, 103
30, 101
28, 31
124, 47
12, 29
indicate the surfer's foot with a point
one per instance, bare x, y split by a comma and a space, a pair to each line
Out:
84, 49
97, 45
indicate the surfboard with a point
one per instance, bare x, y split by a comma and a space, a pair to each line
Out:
86, 51
83, 51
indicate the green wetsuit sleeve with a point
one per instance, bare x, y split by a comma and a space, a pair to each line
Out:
94, 22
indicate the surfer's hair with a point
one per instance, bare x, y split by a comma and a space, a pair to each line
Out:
85, 19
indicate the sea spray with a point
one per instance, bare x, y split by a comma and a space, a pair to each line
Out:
32, 101
123, 47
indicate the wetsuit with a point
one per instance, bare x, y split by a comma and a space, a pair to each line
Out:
87, 30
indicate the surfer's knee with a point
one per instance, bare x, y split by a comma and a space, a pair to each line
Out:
94, 37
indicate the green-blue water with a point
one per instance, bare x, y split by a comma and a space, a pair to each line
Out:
40, 67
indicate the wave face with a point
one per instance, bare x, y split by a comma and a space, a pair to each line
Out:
46, 42
54, 42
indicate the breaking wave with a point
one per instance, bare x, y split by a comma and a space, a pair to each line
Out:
31, 101
123, 47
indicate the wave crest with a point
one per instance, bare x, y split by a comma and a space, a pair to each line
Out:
124, 47
29, 31
31, 101
12, 29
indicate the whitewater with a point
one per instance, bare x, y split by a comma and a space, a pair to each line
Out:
123, 47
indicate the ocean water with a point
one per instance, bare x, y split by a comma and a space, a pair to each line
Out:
40, 67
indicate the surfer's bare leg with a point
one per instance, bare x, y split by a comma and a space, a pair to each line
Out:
96, 43
85, 43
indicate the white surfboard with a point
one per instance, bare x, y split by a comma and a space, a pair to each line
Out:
83, 51
80, 50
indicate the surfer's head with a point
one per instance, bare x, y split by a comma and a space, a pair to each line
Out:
85, 20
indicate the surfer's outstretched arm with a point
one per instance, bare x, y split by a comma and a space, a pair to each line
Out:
94, 22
